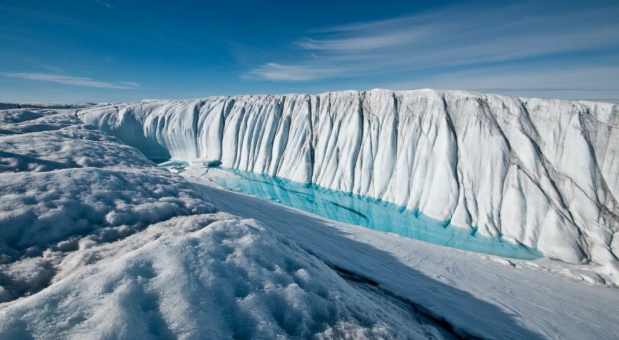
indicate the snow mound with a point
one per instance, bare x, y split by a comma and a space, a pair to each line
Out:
70, 147
229, 279
30, 120
61, 181
42, 208
544, 173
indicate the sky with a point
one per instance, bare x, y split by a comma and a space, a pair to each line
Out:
127, 50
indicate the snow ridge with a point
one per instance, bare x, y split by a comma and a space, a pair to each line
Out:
544, 173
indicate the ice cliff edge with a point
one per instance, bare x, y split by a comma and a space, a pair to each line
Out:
544, 173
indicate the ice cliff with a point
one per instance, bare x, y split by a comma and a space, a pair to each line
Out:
544, 173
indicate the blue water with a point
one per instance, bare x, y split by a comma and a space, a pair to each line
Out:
179, 166
371, 213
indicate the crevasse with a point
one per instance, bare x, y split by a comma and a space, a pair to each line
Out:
544, 173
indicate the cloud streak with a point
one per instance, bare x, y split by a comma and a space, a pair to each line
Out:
454, 37
591, 78
105, 4
69, 80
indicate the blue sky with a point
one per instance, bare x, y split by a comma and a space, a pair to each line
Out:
117, 50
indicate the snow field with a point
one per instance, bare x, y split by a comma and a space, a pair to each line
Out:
228, 279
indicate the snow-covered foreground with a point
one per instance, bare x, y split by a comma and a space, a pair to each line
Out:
98, 242
64, 186
207, 276
544, 173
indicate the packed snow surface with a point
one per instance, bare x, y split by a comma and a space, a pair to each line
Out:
61, 181
225, 278
544, 173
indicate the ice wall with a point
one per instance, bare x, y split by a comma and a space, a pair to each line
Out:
541, 172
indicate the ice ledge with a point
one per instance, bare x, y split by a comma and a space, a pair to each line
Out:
541, 172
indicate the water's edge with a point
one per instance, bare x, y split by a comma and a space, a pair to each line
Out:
365, 211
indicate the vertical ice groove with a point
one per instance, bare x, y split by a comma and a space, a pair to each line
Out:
541, 172
356, 142
310, 112
463, 215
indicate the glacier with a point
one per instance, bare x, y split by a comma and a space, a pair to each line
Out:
543, 173
96, 241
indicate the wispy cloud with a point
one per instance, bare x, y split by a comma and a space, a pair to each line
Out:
299, 72
69, 80
456, 36
586, 78
105, 4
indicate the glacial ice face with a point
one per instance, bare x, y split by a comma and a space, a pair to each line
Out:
544, 173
